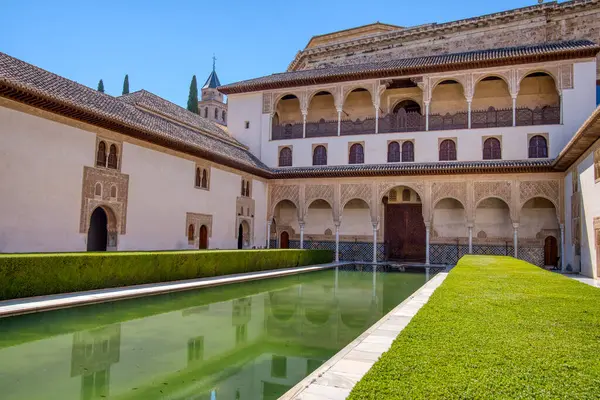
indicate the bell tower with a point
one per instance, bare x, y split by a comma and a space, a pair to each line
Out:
211, 105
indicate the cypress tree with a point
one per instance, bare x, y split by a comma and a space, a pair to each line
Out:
101, 86
192, 104
126, 85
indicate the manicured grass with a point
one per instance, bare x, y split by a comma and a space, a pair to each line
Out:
24, 275
496, 328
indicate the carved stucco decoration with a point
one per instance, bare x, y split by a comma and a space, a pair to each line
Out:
547, 189
346, 89
552, 70
198, 220
455, 190
384, 187
507, 75
354, 191
284, 192
115, 207
498, 189
315, 192
300, 94
566, 76
333, 90
267, 103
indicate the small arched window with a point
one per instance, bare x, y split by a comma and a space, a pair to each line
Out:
223, 114
98, 189
393, 152
101, 155
357, 155
113, 161
113, 192
447, 150
204, 182
197, 182
408, 152
241, 210
406, 195
205, 112
247, 189
285, 157
191, 233
538, 147
216, 114
320, 155
492, 149
243, 187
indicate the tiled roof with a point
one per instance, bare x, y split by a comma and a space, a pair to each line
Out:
407, 66
212, 82
32, 85
452, 167
152, 102
584, 138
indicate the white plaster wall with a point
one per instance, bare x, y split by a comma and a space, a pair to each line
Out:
259, 194
568, 246
318, 220
242, 108
161, 192
41, 172
590, 193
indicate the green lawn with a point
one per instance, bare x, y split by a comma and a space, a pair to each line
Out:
496, 328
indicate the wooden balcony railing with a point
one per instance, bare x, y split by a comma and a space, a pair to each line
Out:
322, 128
491, 118
402, 121
357, 127
287, 131
548, 115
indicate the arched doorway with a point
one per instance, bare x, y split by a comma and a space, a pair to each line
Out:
240, 237
203, 237
550, 251
404, 228
98, 231
284, 241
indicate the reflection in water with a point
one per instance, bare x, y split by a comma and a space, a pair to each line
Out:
248, 341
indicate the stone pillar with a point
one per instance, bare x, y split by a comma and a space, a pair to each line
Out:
270, 126
516, 238
470, 239
269, 234
301, 235
560, 104
426, 115
469, 101
374, 242
304, 113
376, 117
427, 244
514, 110
562, 247
337, 241
339, 112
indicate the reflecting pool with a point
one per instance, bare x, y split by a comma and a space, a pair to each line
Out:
252, 340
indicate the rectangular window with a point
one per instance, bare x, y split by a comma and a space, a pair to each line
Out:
247, 124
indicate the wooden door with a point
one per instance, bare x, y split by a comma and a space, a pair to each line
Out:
203, 237
404, 232
284, 242
550, 251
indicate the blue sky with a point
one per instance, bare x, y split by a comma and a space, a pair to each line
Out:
161, 44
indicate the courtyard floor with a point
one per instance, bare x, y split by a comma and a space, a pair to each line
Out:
496, 328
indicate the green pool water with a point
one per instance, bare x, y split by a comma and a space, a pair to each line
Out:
252, 340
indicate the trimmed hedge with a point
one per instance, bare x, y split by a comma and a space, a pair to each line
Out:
25, 275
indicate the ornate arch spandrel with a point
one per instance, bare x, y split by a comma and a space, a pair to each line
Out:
318, 192
422, 190
553, 71
355, 191
548, 189
332, 90
498, 189
279, 193
347, 89
454, 190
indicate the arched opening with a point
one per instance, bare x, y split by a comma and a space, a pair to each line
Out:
493, 225
203, 237
393, 152
448, 109
97, 238
240, 243
101, 155
408, 151
198, 181
538, 101
492, 150
320, 155
243, 193
447, 150
113, 160
223, 115
321, 119
285, 157
204, 182
356, 227
492, 103
216, 113
550, 251
406, 116
356, 154
538, 147
98, 190
205, 112
289, 118
113, 192
538, 221
358, 114
318, 219
449, 231
404, 229
284, 240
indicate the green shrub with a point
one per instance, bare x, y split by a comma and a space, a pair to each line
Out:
25, 275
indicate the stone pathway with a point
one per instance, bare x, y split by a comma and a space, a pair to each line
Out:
336, 377
586, 280
51, 302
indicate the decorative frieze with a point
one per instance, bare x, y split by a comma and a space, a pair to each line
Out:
315, 192
455, 190
284, 192
355, 191
549, 189
499, 189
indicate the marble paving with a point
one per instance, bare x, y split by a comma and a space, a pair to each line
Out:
336, 377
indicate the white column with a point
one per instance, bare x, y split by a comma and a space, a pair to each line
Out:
374, 242
469, 101
427, 244
516, 239
269, 234
514, 110
562, 247
376, 117
470, 239
426, 115
301, 235
561, 107
339, 111
304, 123
270, 126
337, 242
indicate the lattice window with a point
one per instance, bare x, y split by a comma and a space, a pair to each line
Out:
113, 192
447, 150
357, 155
538, 147
243, 188
408, 152
98, 189
101, 155
198, 180
113, 160
204, 180
406, 195
320, 155
492, 149
392, 196
247, 189
393, 154
285, 157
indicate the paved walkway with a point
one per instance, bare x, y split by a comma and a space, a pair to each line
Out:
335, 379
51, 302
586, 280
